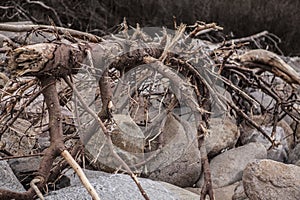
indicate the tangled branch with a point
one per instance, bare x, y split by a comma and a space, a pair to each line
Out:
187, 71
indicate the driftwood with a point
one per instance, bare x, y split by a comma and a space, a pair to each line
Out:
47, 62
59, 30
193, 72
270, 62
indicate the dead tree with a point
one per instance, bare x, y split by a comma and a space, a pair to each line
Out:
186, 62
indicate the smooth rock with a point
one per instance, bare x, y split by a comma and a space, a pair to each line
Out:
278, 153
223, 135
129, 136
128, 143
25, 165
119, 187
182, 194
227, 168
268, 179
23, 168
218, 108
223, 193
294, 156
8, 180
294, 62
239, 193
288, 132
283, 134
266, 100
297, 130
179, 161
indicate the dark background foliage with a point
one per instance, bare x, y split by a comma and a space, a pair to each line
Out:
241, 17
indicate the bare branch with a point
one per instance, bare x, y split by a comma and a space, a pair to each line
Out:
107, 134
74, 33
85, 182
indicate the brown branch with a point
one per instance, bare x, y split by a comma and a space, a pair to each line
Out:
201, 134
248, 119
181, 86
6, 7
32, 98
61, 30
24, 156
56, 136
56, 146
246, 39
106, 95
207, 186
56, 170
201, 28
35, 188
108, 136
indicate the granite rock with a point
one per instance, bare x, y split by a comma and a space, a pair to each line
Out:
227, 168
223, 135
268, 179
119, 187
8, 180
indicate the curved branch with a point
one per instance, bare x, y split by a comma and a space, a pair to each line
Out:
60, 30
108, 136
272, 63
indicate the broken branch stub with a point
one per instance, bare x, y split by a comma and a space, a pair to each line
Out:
46, 59
48, 62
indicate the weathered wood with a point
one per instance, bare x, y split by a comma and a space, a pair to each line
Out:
271, 62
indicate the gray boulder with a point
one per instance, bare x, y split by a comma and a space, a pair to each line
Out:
228, 167
268, 179
24, 166
294, 156
119, 187
128, 141
223, 135
239, 193
8, 180
179, 161
297, 130
223, 193
278, 153
283, 134
182, 194
128, 136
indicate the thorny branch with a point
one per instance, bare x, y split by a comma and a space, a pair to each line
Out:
107, 133
194, 74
